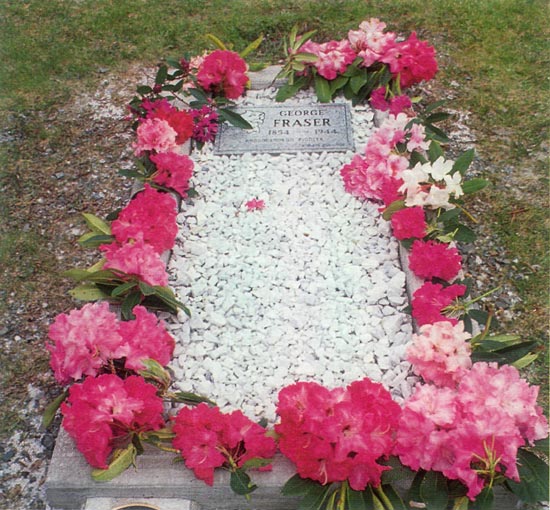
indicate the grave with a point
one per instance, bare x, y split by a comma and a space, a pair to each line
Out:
159, 483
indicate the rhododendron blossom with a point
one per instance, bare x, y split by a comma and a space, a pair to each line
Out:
209, 439
440, 353
432, 259
333, 57
149, 216
173, 171
255, 205
395, 105
83, 341
179, 120
340, 434
223, 72
155, 135
429, 302
206, 124
472, 432
408, 223
136, 259
370, 42
103, 412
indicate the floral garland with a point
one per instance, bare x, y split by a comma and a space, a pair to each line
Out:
467, 428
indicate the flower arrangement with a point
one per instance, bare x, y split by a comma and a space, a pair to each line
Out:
472, 424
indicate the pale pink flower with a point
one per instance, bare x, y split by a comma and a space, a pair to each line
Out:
155, 135
255, 205
333, 57
370, 42
440, 353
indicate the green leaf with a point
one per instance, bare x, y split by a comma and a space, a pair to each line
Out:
77, 275
96, 224
463, 162
461, 503
253, 46
199, 95
433, 491
88, 292
357, 82
525, 361
395, 206
315, 497
543, 446
435, 151
437, 117
474, 185
154, 370
256, 463
162, 74
484, 500
173, 62
166, 295
437, 134
394, 498
93, 240
146, 290
464, 234
144, 90
338, 83
306, 58
122, 289
132, 299
233, 118
322, 89
217, 42
122, 460
397, 473
533, 473
240, 483
416, 157
190, 398
51, 409
359, 500
298, 486
289, 90
432, 106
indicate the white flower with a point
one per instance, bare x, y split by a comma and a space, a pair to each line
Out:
438, 197
412, 179
440, 168
453, 184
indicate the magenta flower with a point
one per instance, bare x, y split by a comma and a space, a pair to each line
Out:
430, 300
255, 205
173, 171
223, 72
155, 135
431, 259
409, 223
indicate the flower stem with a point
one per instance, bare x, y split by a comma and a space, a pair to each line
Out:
383, 498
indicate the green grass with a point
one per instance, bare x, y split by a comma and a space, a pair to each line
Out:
495, 50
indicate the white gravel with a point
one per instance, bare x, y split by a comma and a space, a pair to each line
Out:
309, 288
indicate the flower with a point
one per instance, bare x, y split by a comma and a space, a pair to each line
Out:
206, 124
440, 353
105, 411
208, 439
370, 41
430, 300
337, 435
155, 135
333, 57
136, 259
408, 223
179, 120
255, 205
431, 259
83, 341
145, 337
140, 219
223, 72
395, 105
173, 171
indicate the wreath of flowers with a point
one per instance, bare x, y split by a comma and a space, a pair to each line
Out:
473, 423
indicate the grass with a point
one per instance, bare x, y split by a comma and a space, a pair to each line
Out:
493, 52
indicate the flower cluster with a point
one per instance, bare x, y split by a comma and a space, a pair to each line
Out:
209, 439
471, 431
333, 57
432, 259
223, 72
85, 342
340, 434
104, 412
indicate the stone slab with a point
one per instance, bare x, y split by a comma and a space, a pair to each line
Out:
288, 128
139, 504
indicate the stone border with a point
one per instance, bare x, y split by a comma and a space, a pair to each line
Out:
161, 483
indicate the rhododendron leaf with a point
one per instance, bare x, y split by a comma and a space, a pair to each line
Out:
394, 498
437, 117
298, 486
191, 399
199, 95
356, 82
96, 224
433, 490
415, 158
395, 206
162, 74
192, 193
173, 62
525, 361
88, 292
77, 275
397, 472
122, 289
322, 89
130, 300
147, 290
359, 500
289, 90
464, 234
463, 162
240, 483
122, 460
434, 151
461, 503
253, 46
256, 463
432, 106
474, 185
144, 90
314, 499
217, 42
233, 118
52, 408
93, 240
306, 58
436, 134
484, 500
131, 173
337, 84
154, 369
166, 295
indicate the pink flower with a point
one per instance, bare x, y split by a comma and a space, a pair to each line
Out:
140, 219
180, 121
440, 353
412, 61
370, 41
409, 223
136, 259
173, 171
83, 342
223, 72
208, 439
430, 300
155, 135
430, 259
104, 412
145, 337
395, 105
337, 435
333, 57
255, 205
206, 124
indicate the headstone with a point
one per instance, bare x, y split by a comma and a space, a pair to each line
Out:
288, 128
